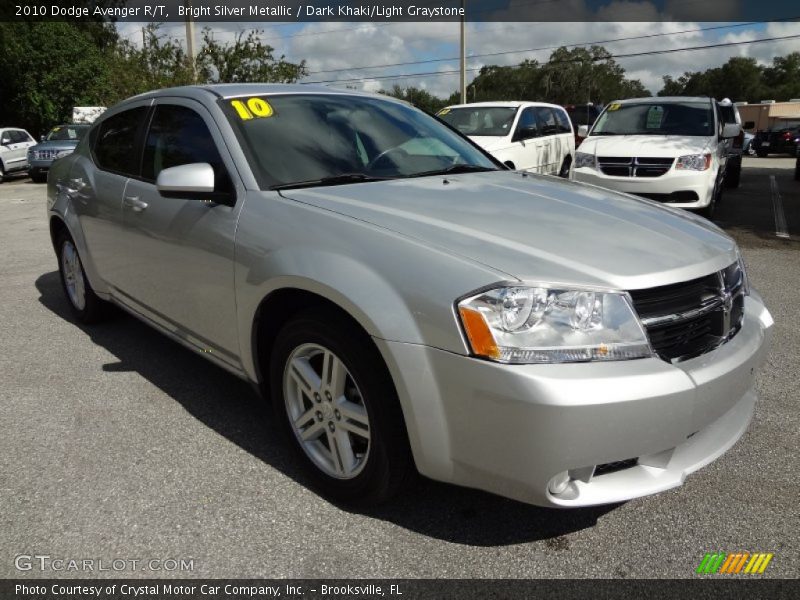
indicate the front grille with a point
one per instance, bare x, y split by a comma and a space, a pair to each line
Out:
45, 154
687, 319
641, 166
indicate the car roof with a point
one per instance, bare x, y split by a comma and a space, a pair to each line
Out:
504, 104
235, 90
663, 100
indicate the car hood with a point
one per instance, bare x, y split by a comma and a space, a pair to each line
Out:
646, 145
490, 142
56, 145
538, 228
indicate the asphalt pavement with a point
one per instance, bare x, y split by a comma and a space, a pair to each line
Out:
118, 444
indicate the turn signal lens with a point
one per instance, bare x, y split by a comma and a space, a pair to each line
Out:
480, 336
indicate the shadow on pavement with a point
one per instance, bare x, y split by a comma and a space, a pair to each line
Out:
230, 407
748, 210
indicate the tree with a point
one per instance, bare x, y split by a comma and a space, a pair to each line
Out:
418, 97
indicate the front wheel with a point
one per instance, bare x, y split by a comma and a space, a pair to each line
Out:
564, 172
716, 195
85, 304
334, 397
733, 175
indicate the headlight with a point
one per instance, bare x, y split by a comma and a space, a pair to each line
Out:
63, 153
694, 162
584, 159
544, 325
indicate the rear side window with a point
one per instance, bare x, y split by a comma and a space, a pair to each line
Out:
115, 142
562, 121
179, 136
547, 120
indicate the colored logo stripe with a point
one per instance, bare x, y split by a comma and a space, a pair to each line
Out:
722, 562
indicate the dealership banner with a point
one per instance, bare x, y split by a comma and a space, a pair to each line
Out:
209, 11
395, 589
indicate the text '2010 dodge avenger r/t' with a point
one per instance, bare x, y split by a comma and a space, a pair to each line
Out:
406, 302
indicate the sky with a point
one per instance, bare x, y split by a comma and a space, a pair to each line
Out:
337, 53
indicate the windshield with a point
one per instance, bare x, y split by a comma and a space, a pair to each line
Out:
67, 132
322, 139
480, 120
652, 118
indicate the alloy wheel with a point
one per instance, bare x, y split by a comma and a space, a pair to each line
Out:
73, 275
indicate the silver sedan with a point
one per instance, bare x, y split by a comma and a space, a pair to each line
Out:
407, 303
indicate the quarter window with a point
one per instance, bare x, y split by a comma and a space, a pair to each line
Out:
563, 122
179, 136
115, 142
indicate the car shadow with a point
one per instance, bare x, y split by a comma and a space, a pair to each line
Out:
231, 408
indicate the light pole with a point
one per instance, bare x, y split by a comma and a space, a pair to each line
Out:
463, 86
190, 39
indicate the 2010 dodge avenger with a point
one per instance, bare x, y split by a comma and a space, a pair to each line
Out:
405, 301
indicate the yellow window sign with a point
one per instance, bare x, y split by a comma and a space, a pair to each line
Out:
252, 108
614, 106
444, 111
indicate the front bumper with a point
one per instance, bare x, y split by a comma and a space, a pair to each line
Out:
512, 429
669, 187
39, 166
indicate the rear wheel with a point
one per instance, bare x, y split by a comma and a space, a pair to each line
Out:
38, 178
335, 399
85, 304
2, 173
733, 175
761, 153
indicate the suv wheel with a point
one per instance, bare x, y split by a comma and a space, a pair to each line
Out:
733, 175
85, 304
2, 173
334, 397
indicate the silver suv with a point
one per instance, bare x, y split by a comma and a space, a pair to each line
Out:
407, 303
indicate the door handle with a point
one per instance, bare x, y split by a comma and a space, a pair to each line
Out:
135, 203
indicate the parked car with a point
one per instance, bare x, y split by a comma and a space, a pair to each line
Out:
669, 149
783, 138
531, 136
729, 113
748, 143
582, 114
14, 144
59, 142
405, 301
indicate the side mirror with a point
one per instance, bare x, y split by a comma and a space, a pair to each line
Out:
749, 125
5, 141
583, 131
510, 165
731, 130
42, 138
194, 178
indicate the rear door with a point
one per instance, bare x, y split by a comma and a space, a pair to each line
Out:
96, 185
550, 130
180, 250
527, 142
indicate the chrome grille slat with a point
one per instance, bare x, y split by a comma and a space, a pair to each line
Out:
642, 166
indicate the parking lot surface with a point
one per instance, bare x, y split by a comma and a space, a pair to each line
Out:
119, 444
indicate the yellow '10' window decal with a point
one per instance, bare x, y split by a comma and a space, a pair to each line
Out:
252, 108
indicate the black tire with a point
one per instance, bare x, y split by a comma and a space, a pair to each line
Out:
564, 172
2, 173
38, 178
94, 309
797, 170
761, 153
388, 464
733, 175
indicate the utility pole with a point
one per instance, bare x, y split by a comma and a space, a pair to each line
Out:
463, 86
190, 39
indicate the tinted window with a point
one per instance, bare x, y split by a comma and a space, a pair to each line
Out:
562, 121
547, 120
18, 136
583, 114
528, 124
115, 142
179, 136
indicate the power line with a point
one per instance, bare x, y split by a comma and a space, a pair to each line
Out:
488, 54
628, 55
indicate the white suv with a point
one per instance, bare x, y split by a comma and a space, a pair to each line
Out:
533, 136
14, 144
668, 149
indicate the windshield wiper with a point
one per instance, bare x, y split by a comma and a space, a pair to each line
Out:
452, 169
331, 180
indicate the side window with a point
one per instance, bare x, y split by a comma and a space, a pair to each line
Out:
115, 142
527, 127
547, 120
18, 136
179, 136
563, 123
